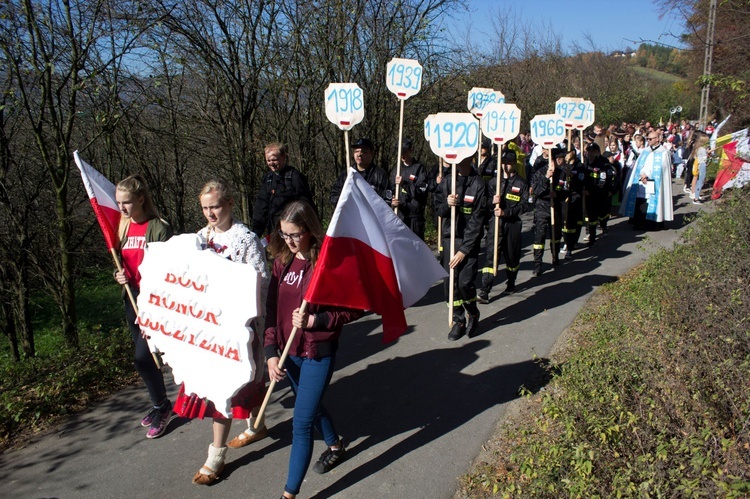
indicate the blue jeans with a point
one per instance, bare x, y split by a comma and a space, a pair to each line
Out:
309, 379
700, 181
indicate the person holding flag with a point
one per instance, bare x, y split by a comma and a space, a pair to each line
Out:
295, 247
470, 201
234, 241
139, 225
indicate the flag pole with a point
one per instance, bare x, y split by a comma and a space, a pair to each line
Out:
441, 166
452, 277
259, 418
118, 264
346, 145
552, 206
498, 171
398, 153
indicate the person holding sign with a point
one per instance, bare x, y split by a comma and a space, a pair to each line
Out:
295, 247
470, 201
139, 225
363, 151
510, 203
549, 188
488, 167
574, 213
600, 183
233, 241
282, 184
410, 190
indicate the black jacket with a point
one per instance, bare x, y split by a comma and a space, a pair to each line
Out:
375, 176
276, 190
412, 195
514, 197
470, 210
540, 184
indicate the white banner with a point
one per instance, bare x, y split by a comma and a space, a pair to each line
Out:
196, 307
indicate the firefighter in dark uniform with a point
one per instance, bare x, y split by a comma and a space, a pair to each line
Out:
612, 188
364, 151
470, 201
573, 216
514, 201
279, 186
488, 167
411, 195
548, 191
600, 176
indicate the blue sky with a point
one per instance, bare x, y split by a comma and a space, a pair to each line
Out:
612, 25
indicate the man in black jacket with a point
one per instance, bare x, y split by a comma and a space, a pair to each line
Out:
410, 190
509, 205
470, 201
363, 151
279, 186
549, 187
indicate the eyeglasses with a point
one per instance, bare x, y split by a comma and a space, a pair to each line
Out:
653, 138
293, 237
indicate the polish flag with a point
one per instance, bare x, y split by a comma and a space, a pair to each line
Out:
102, 196
370, 260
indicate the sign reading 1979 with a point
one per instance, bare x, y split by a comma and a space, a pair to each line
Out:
344, 104
404, 77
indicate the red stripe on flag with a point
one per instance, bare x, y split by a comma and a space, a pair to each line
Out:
351, 274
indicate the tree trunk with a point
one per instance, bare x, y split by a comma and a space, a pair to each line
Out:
67, 302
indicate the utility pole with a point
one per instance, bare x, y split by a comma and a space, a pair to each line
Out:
703, 118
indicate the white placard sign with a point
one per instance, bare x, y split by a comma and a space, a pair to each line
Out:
590, 114
195, 305
345, 105
547, 130
427, 127
454, 136
501, 122
479, 98
404, 77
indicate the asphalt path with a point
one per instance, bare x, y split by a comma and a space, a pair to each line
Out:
415, 413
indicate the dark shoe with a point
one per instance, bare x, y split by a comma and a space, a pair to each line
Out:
457, 331
330, 459
160, 421
146, 421
537, 272
472, 324
555, 261
510, 288
483, 297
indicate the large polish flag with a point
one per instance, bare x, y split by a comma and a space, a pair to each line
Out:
102, 196
370, 260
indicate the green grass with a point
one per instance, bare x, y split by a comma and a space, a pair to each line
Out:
653, 395
657, 75
35, 393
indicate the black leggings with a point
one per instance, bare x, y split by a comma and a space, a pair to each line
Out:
144, 361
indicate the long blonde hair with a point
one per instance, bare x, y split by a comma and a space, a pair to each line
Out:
301, 214
701, 141
135, 185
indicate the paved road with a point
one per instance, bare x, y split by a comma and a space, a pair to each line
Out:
415, 412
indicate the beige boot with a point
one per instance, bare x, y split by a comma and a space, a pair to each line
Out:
210, 471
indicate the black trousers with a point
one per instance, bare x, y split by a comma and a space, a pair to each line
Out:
144, 361
464, 289
542, 223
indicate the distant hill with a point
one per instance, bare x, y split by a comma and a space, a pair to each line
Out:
654, 74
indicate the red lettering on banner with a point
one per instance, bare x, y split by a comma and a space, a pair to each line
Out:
233, 354
186, 281
197, 311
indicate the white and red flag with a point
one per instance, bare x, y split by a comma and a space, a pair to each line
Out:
370, 260
102, 196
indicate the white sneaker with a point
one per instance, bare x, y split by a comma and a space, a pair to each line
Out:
586, 238
562, 254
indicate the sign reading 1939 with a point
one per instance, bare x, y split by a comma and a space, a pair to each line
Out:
404, 77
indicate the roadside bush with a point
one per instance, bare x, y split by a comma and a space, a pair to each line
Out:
653, 398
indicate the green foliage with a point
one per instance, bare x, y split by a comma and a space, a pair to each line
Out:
653, 399
59, 381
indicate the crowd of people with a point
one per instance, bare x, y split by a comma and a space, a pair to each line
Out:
571, 189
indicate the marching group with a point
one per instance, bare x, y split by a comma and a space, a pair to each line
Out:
571, 189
